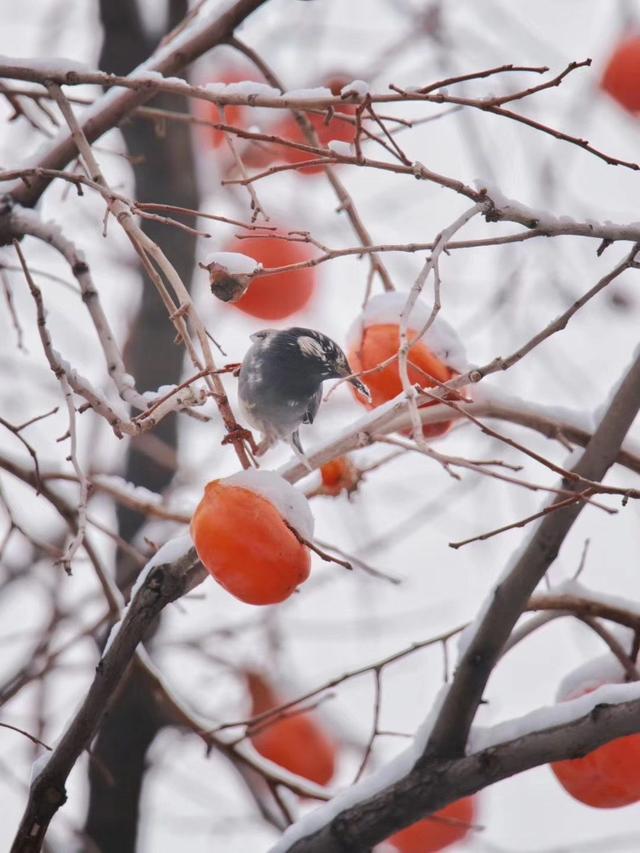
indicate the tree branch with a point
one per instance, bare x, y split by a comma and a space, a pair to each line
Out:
426, 789
509, 598
167, 60
164, 582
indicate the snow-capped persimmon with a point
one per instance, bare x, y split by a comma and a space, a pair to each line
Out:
296, 742
621, 78
606, 778
241, 530
375, 339
439, 831
339, 475
274, 297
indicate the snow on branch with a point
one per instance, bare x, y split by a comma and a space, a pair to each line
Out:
431, 773
405, 790
170, 58
172, 572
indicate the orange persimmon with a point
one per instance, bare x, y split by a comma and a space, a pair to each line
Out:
621, 78
336, 127
380, 342
606, 778
275, 297
298, 743
446, 827
244, 542
236, 115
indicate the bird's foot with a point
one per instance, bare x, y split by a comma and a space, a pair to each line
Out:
294, 444
242, 434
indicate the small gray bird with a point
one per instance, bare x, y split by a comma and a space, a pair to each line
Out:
281, 379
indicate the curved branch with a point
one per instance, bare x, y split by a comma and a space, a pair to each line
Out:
163, 583
509, 598
425, 789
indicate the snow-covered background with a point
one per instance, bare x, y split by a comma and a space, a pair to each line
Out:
405, 513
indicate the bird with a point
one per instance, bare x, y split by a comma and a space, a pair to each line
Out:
280, 382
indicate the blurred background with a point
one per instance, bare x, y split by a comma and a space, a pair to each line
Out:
405, 512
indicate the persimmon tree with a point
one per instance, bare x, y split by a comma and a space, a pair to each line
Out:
198, 178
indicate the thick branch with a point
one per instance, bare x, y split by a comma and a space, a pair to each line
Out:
424, 790
168, 61
163, 584
442, 774
510, 596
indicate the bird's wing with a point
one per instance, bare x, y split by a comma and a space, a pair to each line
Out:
312, 408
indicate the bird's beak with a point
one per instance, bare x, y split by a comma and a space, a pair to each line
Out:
361, 387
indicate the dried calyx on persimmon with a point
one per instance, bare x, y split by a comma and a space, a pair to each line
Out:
230, 274
435, 356
274, 297
244, 530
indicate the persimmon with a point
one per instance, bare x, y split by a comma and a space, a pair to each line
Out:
375, 338
335, 128
275, 297
621, 78
339, 475
606, 778
242, 532
237, 115
297, 742
450, 824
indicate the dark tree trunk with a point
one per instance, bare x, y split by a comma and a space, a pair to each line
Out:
166, 174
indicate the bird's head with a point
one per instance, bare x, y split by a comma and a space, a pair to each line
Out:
323, 357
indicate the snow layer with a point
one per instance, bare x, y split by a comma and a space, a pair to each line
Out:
118, 484
317, 94
356, 87
171, 551
480, 738
314, 821
290, 503
162, 391
441, 339
381, 778
39, 764
234, 262
243, 88
52, 65
555, 715
574, 587
605, 669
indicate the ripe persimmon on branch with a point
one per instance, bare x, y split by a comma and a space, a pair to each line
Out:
237, 522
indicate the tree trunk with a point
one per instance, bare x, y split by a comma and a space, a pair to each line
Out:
165, 174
